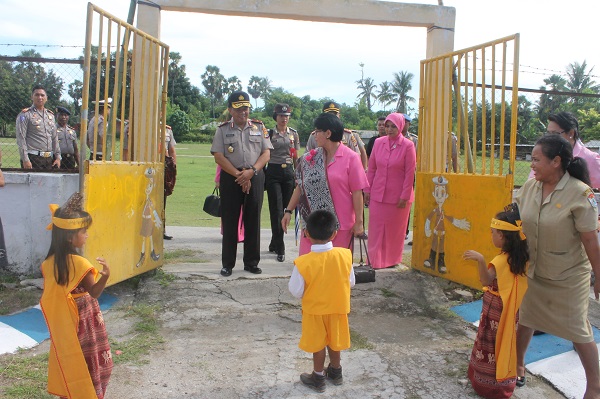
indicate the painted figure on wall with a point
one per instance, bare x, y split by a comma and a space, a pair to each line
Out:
148, 225
435, 224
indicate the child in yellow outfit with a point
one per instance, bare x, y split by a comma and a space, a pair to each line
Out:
323, 278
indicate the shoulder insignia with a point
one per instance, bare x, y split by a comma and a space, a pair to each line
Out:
353, 139
265, 132
50, 111
223, 124
589, 193
347, 130
25, 109
256, 121
168, 127
293, 130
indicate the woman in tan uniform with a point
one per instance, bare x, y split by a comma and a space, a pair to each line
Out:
559, 213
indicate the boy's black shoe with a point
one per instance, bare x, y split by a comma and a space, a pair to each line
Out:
313, 381
334, 375
225, 272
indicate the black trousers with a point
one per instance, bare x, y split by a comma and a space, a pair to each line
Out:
39, 162
232, 199
280, 186
68, 161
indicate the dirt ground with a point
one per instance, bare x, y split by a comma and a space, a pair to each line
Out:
238, 337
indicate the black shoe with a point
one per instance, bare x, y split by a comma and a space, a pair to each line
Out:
521, 381
334, 375
280, 258
226, 272
253, 270
409, 243
313, 381
166, 237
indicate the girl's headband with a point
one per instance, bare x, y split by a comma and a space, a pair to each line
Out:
66, 224
502, 225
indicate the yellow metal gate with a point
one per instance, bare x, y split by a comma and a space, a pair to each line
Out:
124, 96
468, 110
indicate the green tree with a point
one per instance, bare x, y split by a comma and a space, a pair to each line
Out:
180, 91
385, 95
212, 80
367, 88
179, 121
265, 88
254, 89
551, 103
400, 87
232, 84
589, 124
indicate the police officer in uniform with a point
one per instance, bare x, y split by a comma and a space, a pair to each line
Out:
280, 174
241, 147
36, 134
349, 139
67, 139
96, 127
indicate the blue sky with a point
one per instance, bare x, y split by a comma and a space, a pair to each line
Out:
319, 59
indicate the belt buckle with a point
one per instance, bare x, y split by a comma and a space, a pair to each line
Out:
283, 165
46, 154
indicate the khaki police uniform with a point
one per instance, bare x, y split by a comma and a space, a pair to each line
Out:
280, 181
37, 138
67, 140
97, 122
241, 147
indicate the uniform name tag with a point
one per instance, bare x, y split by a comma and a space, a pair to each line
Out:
229, 135
254, 133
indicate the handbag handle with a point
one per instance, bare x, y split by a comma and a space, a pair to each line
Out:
216, 190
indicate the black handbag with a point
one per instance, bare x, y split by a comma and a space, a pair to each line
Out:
364, 272
212, 204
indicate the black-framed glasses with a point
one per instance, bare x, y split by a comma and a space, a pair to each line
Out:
555, 132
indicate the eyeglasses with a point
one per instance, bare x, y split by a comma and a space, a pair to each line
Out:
554, 132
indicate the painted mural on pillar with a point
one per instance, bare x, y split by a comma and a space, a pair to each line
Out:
150, 219
435, 224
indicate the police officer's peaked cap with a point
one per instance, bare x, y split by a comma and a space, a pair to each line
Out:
407, 118
238, 99
282, 109
62, 110
103, 103
331, 106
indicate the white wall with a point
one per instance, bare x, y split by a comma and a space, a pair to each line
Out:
25, 214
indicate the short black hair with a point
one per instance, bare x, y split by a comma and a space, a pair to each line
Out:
567, 122
381, 118
321, 224
38, 87
328, 121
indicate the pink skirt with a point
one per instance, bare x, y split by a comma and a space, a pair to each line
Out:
387, 230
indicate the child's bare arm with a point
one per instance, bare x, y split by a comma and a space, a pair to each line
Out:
95, 288
486, 276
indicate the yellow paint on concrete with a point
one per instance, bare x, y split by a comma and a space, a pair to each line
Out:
118, 195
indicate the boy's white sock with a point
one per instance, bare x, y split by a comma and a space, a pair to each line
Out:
321, 373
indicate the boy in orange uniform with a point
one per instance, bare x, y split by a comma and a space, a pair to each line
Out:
323, 278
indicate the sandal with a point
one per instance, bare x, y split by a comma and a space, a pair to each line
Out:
521, 381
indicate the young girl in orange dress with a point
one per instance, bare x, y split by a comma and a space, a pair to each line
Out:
80, 361
493, 364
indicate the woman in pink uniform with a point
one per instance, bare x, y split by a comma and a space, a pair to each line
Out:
329, 177
390, 194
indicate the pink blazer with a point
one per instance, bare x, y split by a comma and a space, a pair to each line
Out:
391, 172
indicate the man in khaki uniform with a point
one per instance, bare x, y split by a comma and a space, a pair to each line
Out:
67, 139
349, 139
96, 127
241, 147
170, 170
36, 134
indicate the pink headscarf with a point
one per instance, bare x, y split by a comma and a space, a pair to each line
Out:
397, 119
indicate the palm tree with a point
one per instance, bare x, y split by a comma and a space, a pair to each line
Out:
579, 78
254, 89
367, 90
400, 87
385, 95
265, 88
232, 84
212, 80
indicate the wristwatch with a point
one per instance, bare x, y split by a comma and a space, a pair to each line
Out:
288, 211
254, 169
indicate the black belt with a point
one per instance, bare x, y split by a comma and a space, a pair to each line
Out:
281, 165
44, 154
